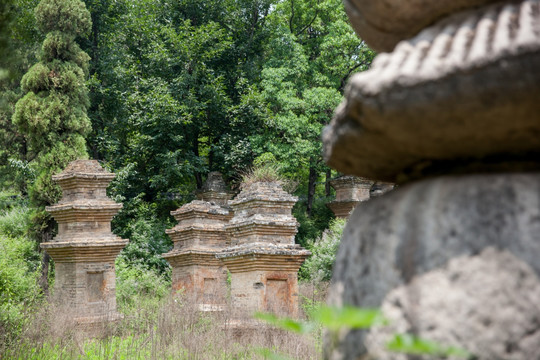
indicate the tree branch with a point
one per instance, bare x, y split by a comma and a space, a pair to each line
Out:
292, 17
344, 79
311, 22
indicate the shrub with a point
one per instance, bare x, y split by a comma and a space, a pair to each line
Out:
137, 284
319, 266
18, 273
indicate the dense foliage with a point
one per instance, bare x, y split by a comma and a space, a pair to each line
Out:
162, 92
18, 267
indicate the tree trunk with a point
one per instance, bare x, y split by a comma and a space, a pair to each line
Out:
46, 236
327, 187
198, 176
311, 189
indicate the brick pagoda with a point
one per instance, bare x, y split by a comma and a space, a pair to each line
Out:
263, 258
85, 248
198, 236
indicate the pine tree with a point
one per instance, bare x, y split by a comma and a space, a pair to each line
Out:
53, 113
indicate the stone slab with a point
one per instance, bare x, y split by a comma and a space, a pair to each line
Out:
492, 298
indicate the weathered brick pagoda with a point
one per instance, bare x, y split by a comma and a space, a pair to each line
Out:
85, 248
350, 190
263, 258
198, 236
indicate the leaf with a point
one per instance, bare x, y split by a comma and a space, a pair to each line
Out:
347, 317
286, 323
269, 354
410, 344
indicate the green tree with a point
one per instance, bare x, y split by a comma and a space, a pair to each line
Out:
52, 114
24, 41
5, 20
311, 54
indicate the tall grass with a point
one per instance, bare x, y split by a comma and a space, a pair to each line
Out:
158, 328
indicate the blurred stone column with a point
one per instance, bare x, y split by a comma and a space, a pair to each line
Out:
85, 249
450, 111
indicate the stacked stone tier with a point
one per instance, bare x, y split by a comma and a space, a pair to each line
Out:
351, 188
195, 237
85, 251
342, 209
246, 207
424, 109
78, 219
192, 257
262, 213
263, 257
215, 196
200, 226
201, 210
262, 229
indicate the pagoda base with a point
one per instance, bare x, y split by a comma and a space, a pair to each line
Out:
264, 278
201, 276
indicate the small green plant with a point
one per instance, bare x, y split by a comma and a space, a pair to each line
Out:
318, 267
263, 173
350, 317
410, 344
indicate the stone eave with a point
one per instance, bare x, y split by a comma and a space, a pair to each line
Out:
188, 257
85, 206
421, 110
257, 259
84, 251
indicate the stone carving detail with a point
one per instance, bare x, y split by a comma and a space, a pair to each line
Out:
452, 114
198, 236
350, 190
85, 248
263, 258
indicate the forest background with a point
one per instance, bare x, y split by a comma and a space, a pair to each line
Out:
175, 89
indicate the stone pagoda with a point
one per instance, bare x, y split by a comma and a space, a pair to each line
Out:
450, 111
85, 248
350, 190
263, 259
215, 190
198, 236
